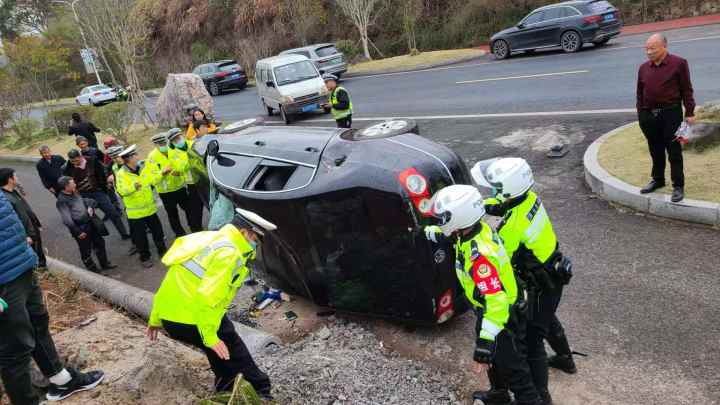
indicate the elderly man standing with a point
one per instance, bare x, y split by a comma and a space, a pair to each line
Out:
663, 85
50, 169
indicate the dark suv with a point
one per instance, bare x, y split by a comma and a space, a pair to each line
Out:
221, 75
568, 25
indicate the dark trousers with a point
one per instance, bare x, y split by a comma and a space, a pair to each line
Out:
557, 339
171, 201
138, 230
509, 369
109, 209
195, 208
25, 335
92, 242
542, 317
659, 130
241, 362
345, 122
39, 251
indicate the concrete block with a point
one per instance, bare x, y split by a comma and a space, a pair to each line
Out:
702, 212
622, 193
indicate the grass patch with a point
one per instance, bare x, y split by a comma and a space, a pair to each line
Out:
52, 103
406, 62
625, 155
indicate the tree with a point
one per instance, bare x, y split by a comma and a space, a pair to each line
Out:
303, 16
121, 29
41, 62
411, 10
363, 14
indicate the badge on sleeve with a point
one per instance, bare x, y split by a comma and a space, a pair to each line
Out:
486, 276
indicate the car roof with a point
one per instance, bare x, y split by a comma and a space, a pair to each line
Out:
283, 59
309, 47
567, 3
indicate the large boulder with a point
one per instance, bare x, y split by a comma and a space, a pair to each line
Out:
706, 132
180, 90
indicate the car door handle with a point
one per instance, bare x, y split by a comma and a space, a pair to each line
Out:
259, 143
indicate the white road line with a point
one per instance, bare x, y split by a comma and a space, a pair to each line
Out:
671, 42
478, 116
494, 79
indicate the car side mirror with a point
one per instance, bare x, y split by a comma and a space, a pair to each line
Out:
213, 148
270, 83
521, 25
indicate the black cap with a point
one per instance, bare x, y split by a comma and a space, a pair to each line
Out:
73, 153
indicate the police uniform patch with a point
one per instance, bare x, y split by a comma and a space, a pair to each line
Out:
483, 270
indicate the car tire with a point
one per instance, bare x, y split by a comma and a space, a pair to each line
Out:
213, 89
571, 41
287, 118
389, 128
501, 49
268, 109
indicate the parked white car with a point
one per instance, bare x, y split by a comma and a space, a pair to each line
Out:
96, 95
290, 84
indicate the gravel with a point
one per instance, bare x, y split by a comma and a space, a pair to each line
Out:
344, 363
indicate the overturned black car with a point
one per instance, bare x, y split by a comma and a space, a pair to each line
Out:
350, 206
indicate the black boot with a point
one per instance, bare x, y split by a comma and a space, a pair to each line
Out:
493, 397
546, 398
563, 362
90, 265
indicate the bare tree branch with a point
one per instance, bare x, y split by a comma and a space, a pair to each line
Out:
363, 14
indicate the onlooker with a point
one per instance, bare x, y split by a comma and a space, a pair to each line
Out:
76, 213
663, 83
108, 143
84, 128
199, 116
24, 323
89, 175
50, 169
30, 221
87, 150
201, 128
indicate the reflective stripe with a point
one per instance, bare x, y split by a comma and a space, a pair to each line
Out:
490, 328
536, 226
485, 334
195, 268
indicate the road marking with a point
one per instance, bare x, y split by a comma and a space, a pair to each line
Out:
479, 116
618, 48
573, 72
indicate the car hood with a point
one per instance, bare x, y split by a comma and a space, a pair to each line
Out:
504, 32
302, 88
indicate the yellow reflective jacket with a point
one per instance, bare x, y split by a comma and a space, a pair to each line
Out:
340, 114
170, 182
139, 203
180, 162
485, 274
205, 271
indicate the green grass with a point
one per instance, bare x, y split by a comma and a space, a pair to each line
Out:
625, 155
406, 62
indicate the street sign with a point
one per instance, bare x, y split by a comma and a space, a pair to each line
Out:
89, 57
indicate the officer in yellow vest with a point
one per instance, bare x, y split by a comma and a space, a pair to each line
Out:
532, 245
113, 153
339, 102
134, 182
486, 275
205, 271
180, 162
171, 184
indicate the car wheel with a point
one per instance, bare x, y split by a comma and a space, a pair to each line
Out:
267, 108
214, 89
501, 49
389, 128
570, 41
285, 116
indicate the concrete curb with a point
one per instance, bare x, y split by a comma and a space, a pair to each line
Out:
613, 189
18, 158
415, 69
139, 301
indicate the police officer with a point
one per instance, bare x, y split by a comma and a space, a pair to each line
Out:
134, 182
116, 162
181, 162
485, 273
171, 184
530, 242
339, 102
205, 271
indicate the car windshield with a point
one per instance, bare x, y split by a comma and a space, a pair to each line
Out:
597, 7
99, 87
326, 51
295, 72
229, 67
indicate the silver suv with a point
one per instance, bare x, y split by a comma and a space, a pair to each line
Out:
325, 56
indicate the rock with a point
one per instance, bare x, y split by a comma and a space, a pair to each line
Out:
181, 89
704, 135
324, 333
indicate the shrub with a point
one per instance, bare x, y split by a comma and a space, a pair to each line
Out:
349, 48
24, 128
115, 119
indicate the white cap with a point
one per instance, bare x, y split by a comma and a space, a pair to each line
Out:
132, 149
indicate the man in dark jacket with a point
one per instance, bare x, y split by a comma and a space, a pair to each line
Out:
24, 323
50, 169
30, 221
88, 151
76, 213
83, 128
91, 181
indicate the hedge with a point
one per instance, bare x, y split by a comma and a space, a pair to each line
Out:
113, 115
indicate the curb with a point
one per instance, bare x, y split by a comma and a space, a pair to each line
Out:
415, 69
139, 301
18, 158
613, 189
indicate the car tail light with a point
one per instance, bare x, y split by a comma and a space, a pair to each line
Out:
445, 308
416, 186
97, 93
593, 19
221, 74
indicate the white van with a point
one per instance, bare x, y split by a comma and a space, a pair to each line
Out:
290, 84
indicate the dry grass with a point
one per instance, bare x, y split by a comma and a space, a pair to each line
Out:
52, 103
67, 304
138, 135
626, 156
412, 62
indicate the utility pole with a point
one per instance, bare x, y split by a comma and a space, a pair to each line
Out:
82, 34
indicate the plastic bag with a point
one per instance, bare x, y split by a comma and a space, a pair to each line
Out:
683, 134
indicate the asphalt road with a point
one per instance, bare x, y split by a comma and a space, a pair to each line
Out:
645, 298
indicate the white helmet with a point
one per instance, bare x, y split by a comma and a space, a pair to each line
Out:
510, 177
458, 207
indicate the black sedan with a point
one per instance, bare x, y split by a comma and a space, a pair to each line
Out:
221, 75
568, 25
350, 206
